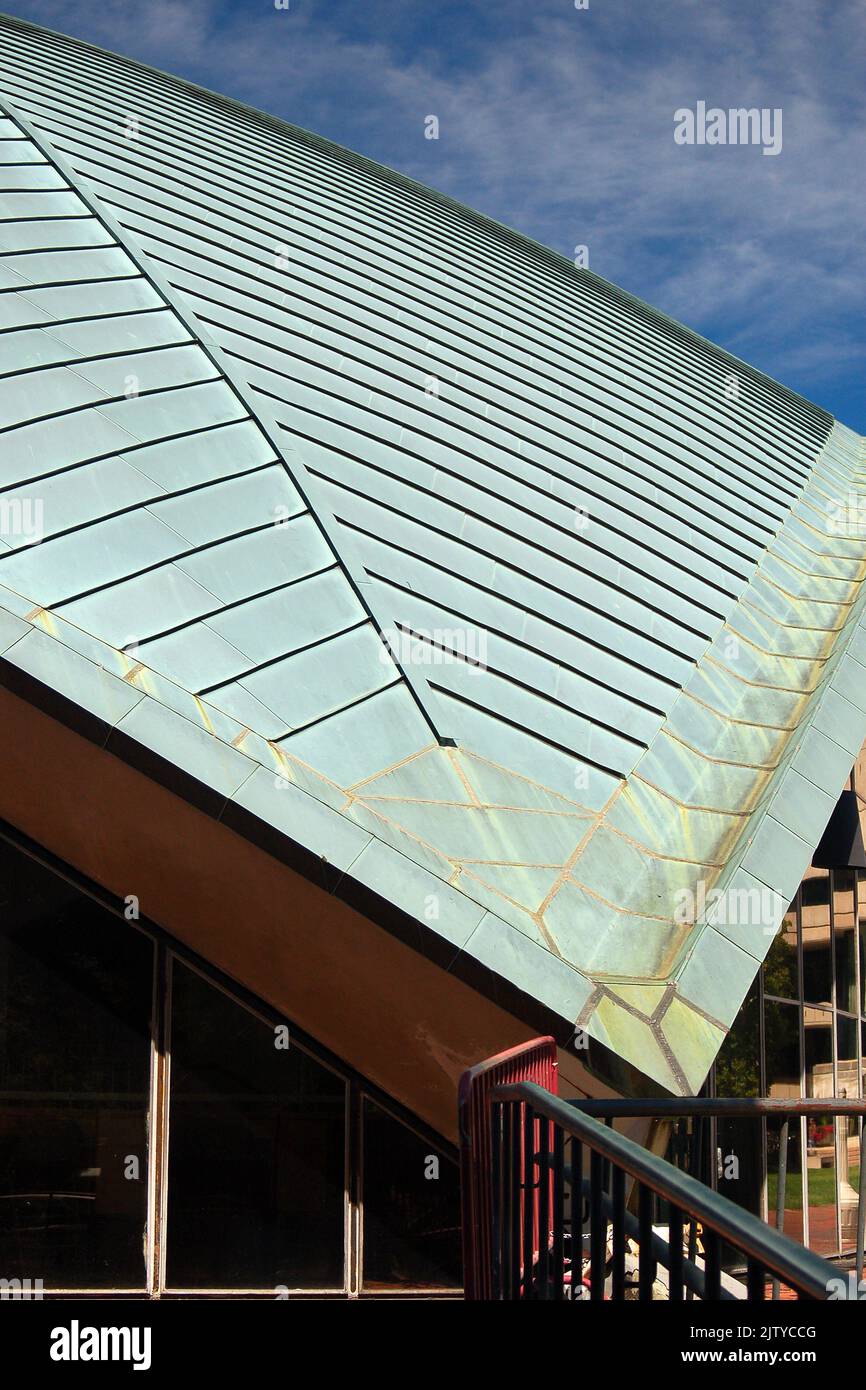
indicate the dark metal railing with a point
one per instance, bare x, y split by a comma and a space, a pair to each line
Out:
696, 1154
550, 1210
557, 1233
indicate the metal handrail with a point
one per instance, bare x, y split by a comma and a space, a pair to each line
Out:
763, 1246
694, 1277
675, 1107
751, 1107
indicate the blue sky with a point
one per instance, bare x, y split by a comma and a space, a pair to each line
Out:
560, 123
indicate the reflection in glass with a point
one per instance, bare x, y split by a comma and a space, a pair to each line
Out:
846, 1057
821, 1161
411, 1208
817, 956
781, 976
845, 925
782, 1043
738, 1076
847, 1155
75, 1001
792, 1190
256, 1176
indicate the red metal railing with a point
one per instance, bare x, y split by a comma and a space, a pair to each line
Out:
533, 1061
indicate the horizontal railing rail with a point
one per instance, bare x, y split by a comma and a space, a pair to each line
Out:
537, 1238
702, 1108
670, 1107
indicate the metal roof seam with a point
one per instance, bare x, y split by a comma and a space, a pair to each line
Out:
186, 316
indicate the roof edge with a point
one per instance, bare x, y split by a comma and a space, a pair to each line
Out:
553, 259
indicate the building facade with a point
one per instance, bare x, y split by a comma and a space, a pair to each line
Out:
800, 1034
410, 643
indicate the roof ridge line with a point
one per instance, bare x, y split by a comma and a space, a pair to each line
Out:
554, 260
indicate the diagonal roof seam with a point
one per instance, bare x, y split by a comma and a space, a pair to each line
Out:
92, 710
211, 349
755, 711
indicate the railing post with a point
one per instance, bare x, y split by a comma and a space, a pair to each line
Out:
617, 1290
497, 1203
597, 1226
528, 1200
543, 1204
712, 1265
515, 1112
646, 1261
558, 1251
675, 1254
781, 1181
861, 1205
578, 1216
755, 1281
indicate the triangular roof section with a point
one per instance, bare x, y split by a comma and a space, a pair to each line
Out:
278, 402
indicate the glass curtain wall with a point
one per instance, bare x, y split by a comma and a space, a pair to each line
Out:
800, 1034
160, 1134
76, 993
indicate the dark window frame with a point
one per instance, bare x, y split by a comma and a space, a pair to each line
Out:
167, 949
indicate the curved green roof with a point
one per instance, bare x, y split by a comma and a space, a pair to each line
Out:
420, 545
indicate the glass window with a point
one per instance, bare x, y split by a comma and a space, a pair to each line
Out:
861, 913
782, 1043
256, 1170
817, 957
76, 987
846, 1057
820, 1129
739, 1158
411, 1208
792, 1196
819, 1052
845, 929
781, 975
256, 1185
822, 1150
847, 1155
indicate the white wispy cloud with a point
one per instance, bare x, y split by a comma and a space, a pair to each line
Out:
560, 123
